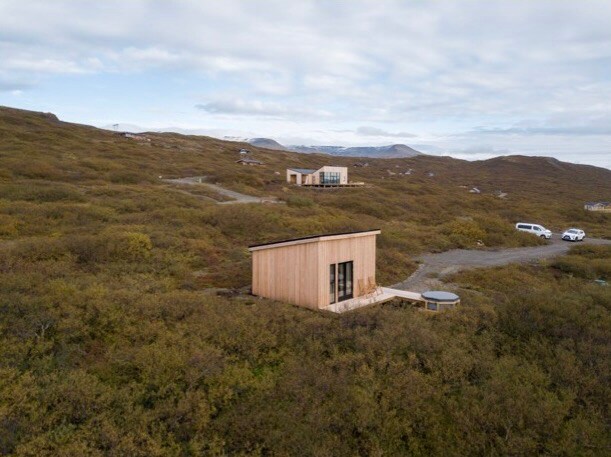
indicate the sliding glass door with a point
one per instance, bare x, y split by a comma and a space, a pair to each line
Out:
332, 283
340, 282
344, 281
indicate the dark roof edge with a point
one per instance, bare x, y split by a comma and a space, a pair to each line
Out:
301, 170
310, 237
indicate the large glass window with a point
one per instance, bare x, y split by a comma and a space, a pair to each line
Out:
329, 177
344, 281
332, 283
340, 282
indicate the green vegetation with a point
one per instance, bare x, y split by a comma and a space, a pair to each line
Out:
60, 180
106, 351
116, 340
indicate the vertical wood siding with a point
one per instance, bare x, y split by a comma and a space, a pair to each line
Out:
299, 274
361, 251
288, 274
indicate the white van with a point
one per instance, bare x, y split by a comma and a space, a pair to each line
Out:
535, 229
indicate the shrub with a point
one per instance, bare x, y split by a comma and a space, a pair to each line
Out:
299, 201
125, 177
38, 169
8, 226
41, 192
464, 232
574, 265
137, 245
109, 247
39, 249
591, 251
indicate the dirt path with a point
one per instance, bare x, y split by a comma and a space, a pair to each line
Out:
434, 266
236, 197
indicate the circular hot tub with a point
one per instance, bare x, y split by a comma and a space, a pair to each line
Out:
438, 300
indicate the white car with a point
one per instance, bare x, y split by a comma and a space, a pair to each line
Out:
573, 234
535, 229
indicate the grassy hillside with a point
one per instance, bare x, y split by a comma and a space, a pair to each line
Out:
61, 180
116, 340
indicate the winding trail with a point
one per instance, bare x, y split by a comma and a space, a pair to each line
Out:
435, 266
236, 197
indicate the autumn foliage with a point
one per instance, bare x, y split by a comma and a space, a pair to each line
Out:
126, 327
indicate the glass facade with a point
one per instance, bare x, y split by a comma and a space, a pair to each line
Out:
332, 283
330, 177
340, 280
344, 281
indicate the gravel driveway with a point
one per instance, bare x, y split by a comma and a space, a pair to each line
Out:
434, 266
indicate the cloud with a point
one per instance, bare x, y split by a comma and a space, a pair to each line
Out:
258, 108
9, 85
44, 66
550, 130
374, 131
577, 123
445, 67
481, 149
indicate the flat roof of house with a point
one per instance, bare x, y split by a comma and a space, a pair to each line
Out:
313, 239
303, 171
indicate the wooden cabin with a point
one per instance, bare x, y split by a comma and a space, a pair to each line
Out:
317, 272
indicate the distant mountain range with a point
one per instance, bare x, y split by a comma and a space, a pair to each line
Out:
267, 143
393, 151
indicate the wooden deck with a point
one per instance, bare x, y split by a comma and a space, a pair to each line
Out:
350, 184
382, 295
359, 302
413, 296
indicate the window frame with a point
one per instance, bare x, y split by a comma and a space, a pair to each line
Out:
334, 280
330, 177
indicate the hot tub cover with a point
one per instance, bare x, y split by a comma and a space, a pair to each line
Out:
439, 295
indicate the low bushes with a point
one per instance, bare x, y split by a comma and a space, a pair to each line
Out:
133, 363
8, 226
36, 191
464, 232
584, 268
110, 246
298, 201
586, 261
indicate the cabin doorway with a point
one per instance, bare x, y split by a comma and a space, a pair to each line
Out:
340, 282
344, 281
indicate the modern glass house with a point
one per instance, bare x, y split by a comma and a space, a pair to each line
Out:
324, 176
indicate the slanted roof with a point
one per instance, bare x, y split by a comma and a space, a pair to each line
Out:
313, 239
246, 160
303, 171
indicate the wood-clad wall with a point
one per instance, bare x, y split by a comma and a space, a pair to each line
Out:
360, 250
299, 273
287, 273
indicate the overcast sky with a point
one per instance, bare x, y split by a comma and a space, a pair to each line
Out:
472, 79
